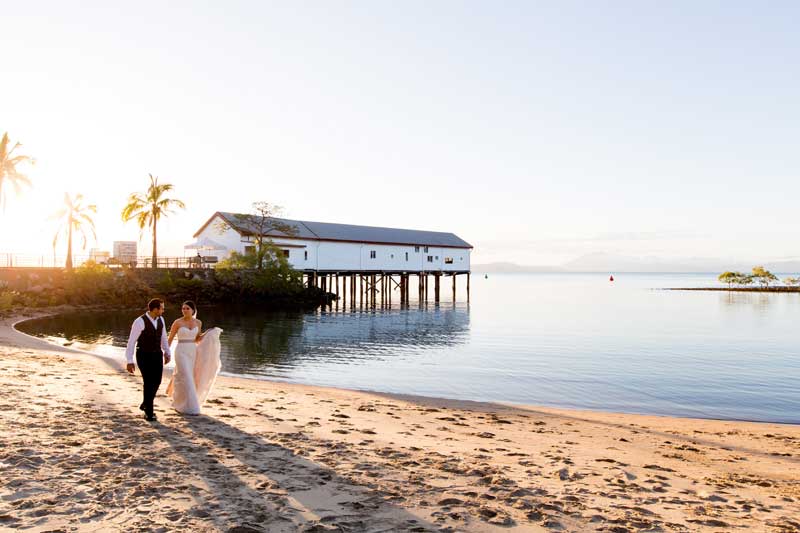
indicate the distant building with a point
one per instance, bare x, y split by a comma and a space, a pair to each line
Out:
99, 256
326, 247
125, 251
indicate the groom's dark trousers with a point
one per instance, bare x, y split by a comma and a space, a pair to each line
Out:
151, 365
150, 358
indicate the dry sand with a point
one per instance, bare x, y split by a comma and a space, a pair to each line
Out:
76, 456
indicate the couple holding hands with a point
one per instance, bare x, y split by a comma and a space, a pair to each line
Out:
197, 357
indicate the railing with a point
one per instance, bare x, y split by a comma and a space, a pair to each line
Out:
9, 260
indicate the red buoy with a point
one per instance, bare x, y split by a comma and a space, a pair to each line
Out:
611, 278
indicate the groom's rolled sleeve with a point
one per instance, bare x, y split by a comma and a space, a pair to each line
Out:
136, 329
164, 340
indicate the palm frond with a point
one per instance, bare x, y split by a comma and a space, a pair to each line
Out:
143, 220
4, 147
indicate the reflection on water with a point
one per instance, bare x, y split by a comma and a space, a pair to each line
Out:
568, 340
761, 300
273, 343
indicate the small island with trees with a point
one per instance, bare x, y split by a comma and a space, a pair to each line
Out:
759, 280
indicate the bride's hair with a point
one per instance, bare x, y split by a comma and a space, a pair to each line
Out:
190, 303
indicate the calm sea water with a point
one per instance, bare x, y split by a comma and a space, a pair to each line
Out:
564, 340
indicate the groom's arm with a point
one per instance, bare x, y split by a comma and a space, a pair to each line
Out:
136, 329
165, 341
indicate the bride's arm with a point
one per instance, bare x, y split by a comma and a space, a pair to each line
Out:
172, 331
199, 329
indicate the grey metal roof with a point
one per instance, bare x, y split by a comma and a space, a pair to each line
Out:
325, 231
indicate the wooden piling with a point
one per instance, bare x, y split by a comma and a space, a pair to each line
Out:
467, 287
454, 287
436, 287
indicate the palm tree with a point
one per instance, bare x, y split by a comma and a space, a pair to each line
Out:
8, 167
147, 208
75, 219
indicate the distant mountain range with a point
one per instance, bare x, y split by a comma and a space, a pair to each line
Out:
605, 262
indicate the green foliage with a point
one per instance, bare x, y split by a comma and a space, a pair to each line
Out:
735, 278
255, 277
10, 174
763, 276
166, 285
730, 277
90, 276
96, 284
237, 261
7, 299
792, 281
260, 227
274, 273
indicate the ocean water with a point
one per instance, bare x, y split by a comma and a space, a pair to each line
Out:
562, 340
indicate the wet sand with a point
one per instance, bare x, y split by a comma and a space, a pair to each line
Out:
75, 455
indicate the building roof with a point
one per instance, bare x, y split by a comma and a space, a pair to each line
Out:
325, 231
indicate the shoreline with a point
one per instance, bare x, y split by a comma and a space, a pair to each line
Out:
735, 289
278, 456
409, 396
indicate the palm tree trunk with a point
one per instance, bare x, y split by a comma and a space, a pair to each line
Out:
69, 245
155, 254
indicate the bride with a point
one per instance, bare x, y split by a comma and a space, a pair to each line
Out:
197, 361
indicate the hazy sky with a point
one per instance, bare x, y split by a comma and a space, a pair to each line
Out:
537, 131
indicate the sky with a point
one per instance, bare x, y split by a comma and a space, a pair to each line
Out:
536, 131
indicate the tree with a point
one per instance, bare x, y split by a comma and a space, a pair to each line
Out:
764, 276
74, 218
149, 207
9, 171
260, 227
792, 281
730, 278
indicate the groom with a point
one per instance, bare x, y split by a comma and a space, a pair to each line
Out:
149, 336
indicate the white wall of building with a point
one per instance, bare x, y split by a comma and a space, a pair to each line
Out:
338, 256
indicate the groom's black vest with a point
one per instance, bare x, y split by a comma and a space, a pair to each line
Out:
150, 338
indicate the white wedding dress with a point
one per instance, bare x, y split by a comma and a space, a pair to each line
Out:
196, 369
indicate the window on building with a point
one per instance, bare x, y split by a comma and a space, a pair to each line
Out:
416, 249
430, 259
286, 253
406, 256
372, 254
305, 255
448, 260
392, 256
437, 257
249, 249
426, 249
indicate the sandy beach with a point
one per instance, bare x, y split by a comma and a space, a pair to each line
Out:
75, 455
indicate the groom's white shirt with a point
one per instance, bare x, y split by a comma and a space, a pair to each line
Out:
136, 330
